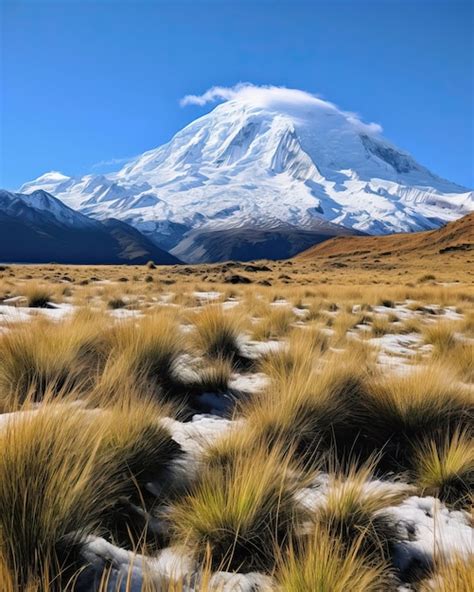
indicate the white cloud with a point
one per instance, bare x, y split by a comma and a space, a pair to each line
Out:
214, 94
112, 161
274, 97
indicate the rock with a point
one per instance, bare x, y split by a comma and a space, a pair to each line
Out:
255, 268
237, 279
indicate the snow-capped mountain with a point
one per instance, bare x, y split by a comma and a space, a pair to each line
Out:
268, 159
38, 228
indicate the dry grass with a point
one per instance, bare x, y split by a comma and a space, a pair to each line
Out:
380, 326
237, 512
277, 323
442, 336
214, 377
297, 355
326, 402
139, 450
353, 511
149, 350
310, 412
217, 333
455, 575
37, 295
458, 359
402, 410
446, 469
54, 487
323, 564
47, 356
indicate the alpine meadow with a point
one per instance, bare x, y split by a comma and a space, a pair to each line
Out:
236, 317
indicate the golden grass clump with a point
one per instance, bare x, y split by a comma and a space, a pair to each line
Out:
296, 355
149, 351
37, 295
140, 447
353, 510
237, 512
217, 333
459, 359
277, 323
401, 411
411, 325
380, 326
446, 469
310, 412
451, 575
442, 335
139, 450
322, 564
214, 377
54, 486
44, 356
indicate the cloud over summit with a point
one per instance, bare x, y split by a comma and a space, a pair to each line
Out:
275, 97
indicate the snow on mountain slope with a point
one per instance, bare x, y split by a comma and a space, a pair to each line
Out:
39, 228
268, 157
40, 204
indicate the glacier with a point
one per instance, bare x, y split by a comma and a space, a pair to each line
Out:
282, 159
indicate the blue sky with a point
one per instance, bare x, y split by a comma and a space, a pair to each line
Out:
88, 82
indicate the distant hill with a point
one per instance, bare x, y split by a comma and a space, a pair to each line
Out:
454, 237
38, 228
247, 244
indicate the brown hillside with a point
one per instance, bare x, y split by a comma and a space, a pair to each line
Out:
455, 238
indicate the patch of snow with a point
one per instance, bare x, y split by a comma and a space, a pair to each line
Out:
430, 528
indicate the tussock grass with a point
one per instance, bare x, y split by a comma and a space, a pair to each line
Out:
47, 356
115, 303
296, 355
459, 359
37, 296
410, 326
229, 449
311, 412
441, 335
466, 326
218, 333
141, 447
315, 310
139, 450
323, 564
402, 410
380, 326
446, 469
214, 377
277, 323
149, 350
53, 488
451, 575
353, 511
237, 512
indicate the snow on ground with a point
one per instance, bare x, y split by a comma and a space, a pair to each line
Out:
429, 528
426, 525
207, 296
195, 435
172, 564
392, 343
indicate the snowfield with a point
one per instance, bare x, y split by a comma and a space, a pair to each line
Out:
268, 159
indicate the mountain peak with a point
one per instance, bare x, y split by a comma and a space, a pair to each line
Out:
268, 154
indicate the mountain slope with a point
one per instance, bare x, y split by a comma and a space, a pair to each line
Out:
276, 158
38, 228
247, 244
455, 237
